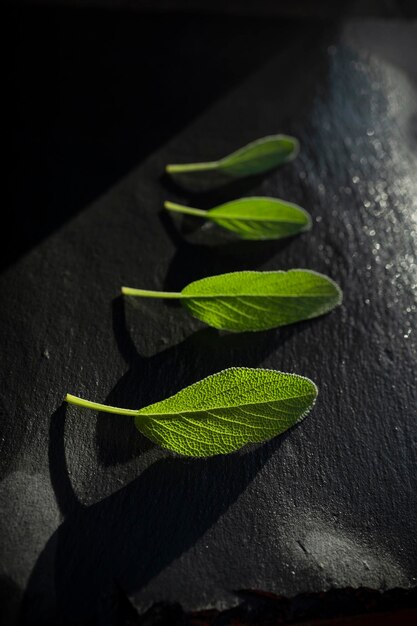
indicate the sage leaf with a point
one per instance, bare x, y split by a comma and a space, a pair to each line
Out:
251, 301
223, 412
256, 157
253, 218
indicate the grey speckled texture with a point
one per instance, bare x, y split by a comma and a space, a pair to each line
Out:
87, 504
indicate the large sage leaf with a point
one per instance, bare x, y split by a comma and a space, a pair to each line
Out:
256, 157
223, 412
250, 301
253, 218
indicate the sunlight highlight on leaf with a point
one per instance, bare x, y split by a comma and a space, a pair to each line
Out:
252, 301
253, 218
223, 412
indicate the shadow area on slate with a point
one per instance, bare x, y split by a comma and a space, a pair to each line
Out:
126, 539
211, 252
207, 198
150, 379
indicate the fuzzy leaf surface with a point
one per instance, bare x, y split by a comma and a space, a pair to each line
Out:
261, 218
256, 157
251, 301
228, 410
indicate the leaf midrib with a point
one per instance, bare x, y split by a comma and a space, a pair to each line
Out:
251, 295
234, 406
251, 219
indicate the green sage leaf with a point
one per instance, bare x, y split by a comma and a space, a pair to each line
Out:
256, 157
251, 301
254, 218
222, 412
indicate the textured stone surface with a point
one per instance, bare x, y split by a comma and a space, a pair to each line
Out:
332, 503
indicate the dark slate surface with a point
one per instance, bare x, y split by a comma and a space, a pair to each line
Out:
88, 506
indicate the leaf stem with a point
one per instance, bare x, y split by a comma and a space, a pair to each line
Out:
187, 210
178, 168
99, 407
146, 293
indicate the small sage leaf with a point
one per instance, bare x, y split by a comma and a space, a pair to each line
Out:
251, 301
256, 157
254, 218
222, 412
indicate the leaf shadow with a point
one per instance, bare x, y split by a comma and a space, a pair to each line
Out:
194, 260
149, 379
206, 192
126, 539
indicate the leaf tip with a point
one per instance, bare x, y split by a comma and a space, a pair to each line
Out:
340, 295
315, 390
292, 143
338, 290
309, 221
296, 148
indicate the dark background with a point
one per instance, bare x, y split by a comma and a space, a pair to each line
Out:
91, 88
